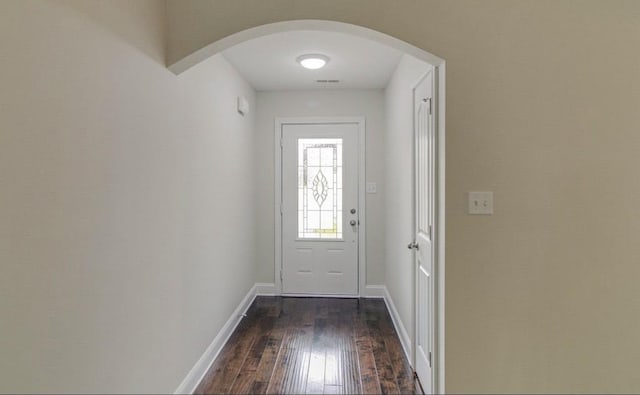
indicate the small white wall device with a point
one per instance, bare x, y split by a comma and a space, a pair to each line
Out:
243, 106
481, 203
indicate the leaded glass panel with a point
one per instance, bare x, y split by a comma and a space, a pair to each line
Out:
320, 188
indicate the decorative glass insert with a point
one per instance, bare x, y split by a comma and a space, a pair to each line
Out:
320, 188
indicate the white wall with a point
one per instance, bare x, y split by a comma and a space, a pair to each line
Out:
398, 159
123, 193
367, 103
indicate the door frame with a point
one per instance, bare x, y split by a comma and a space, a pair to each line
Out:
277, 206
438, 360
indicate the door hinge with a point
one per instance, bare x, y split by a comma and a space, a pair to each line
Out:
281, 143
429, 358
430, 106
430, 232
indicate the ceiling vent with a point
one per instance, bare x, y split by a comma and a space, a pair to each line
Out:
328, 81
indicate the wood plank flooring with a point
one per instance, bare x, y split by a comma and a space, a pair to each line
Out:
312, 346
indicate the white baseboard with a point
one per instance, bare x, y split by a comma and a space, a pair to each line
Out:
405, 340
374, 291
370, 291
266, 289
195, 375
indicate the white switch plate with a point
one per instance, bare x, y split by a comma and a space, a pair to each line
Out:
481, 203
372, 187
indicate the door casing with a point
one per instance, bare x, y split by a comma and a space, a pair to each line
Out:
277, 209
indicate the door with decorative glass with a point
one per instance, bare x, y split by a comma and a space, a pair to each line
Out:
320, 208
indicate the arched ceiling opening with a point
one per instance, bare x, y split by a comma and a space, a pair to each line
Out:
227, 42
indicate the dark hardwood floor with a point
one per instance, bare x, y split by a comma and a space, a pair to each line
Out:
314, 346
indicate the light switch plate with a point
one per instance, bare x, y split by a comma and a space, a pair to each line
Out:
372, 187
481, 203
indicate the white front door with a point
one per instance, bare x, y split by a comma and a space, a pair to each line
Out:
424, 162
320, 208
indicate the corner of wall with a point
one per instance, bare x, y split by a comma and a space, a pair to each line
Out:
198, 371
404, 336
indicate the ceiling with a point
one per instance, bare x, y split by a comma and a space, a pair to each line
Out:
269, 62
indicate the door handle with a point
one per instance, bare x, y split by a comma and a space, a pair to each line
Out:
413, 245
352, 222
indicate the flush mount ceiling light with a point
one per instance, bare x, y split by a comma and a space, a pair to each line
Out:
312, 61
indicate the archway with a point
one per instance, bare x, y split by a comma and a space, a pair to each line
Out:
306, 24
439, 71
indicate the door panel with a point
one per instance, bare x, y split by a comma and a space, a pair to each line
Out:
424, 163
319, 180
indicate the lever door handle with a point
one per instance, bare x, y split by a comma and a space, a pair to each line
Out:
413, 245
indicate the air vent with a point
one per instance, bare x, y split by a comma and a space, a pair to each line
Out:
328, 81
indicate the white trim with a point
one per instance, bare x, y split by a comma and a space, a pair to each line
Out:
362, 176
337, 296
277, 204
405, 339
196, 374
439, 264
374, 291
266, 289
305, 24
362, 205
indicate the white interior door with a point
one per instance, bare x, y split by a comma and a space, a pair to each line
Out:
424, 162
320, 208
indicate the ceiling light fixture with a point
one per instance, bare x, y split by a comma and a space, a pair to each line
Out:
313, 61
